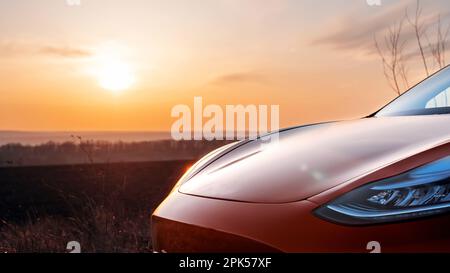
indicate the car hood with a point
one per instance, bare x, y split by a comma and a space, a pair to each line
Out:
310, 159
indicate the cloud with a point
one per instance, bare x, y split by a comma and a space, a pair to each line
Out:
67, 52
353, 31
14, 49
8, 48
356, 31
246, 77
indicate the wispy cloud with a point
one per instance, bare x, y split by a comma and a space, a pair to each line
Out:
67, 52
14, 49
356, 31
240, 77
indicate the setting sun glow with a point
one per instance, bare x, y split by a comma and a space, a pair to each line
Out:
128, 63
112, 69
115, 76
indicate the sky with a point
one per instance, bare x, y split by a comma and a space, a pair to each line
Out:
61, 64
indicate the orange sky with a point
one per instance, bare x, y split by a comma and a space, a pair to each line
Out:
313, 58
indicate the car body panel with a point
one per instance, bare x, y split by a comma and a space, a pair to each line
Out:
391, 170
309, 160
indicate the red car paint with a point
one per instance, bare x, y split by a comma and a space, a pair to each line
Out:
260, 216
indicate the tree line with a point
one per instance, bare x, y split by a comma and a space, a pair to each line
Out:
91, 152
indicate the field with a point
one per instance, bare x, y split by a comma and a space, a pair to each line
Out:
105, 207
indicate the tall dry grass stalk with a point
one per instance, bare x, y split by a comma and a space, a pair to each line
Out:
97, 228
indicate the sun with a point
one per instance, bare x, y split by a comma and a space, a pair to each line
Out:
115, 76
112, 69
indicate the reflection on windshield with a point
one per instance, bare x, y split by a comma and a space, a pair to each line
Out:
441, 100
430, 97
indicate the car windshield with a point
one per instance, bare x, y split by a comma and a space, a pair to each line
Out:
430, 97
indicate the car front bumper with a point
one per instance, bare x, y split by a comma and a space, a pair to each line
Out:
186, 223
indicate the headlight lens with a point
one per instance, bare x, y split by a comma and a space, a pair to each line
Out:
420, 192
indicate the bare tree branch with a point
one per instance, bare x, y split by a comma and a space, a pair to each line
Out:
394, 67
420, 31
404, 72
439, 47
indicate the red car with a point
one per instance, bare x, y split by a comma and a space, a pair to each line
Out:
381, 181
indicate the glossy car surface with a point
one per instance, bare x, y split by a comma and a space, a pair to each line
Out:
330, 187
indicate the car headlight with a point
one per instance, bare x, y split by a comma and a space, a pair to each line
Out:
420, 192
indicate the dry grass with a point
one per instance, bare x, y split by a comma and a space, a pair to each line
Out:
97, 228
104, 207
